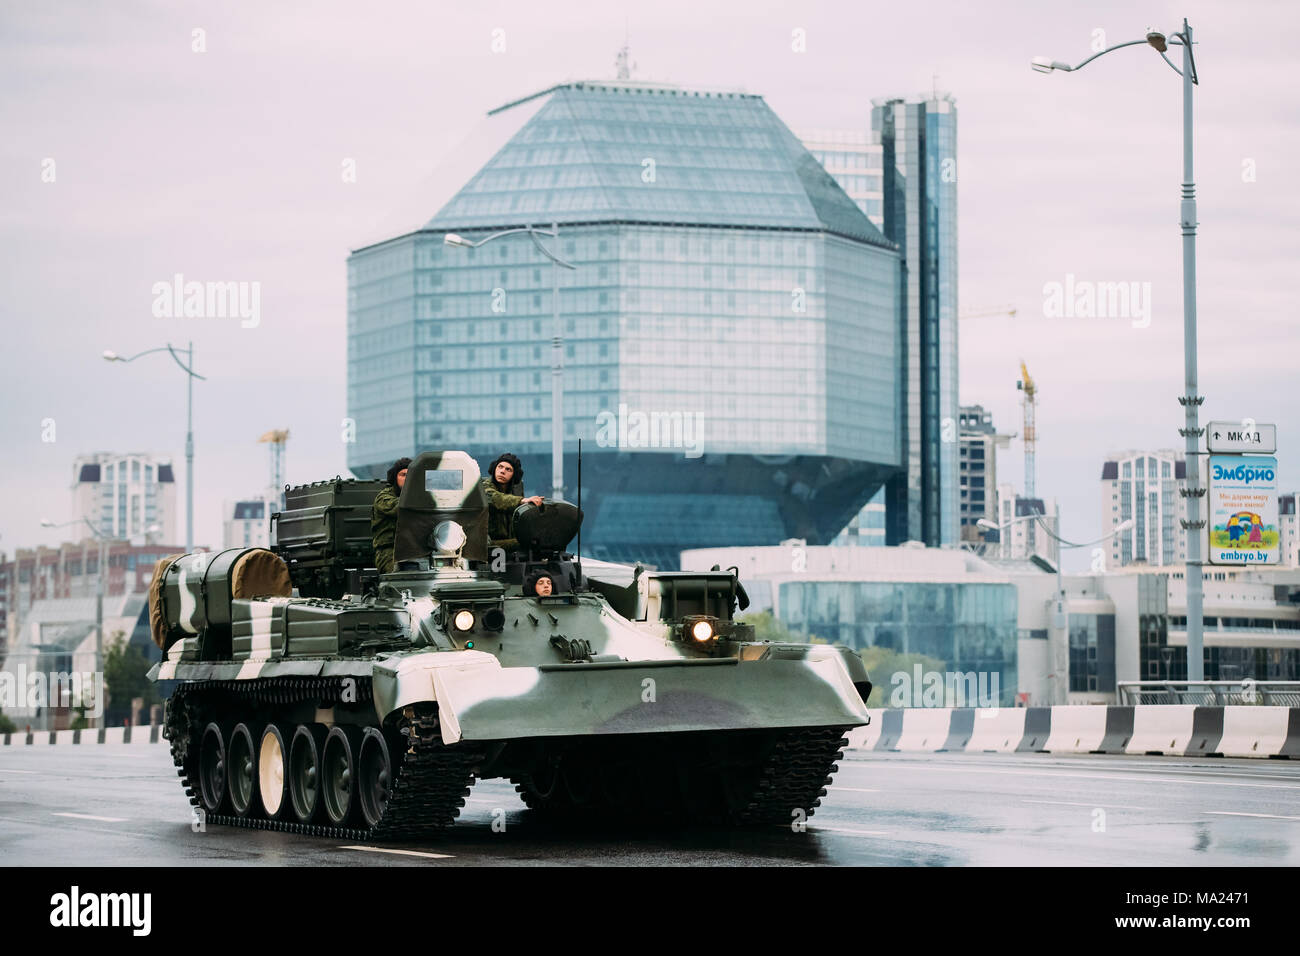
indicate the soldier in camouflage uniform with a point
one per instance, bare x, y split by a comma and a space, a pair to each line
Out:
383, 516
504, 487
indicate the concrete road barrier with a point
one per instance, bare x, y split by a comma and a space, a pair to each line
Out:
1161, 729
1076, 729
1183, 730
103, 735
997, 730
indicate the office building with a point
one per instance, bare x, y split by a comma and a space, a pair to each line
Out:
903, 174
731, 332
129, 497
918, 138
247, 523
1144, 486
978, 471
1020, 536
1288, 530
945, 604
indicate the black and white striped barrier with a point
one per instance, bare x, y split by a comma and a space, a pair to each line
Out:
1182, 730
100, 735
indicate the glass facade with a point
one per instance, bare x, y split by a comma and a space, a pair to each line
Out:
726, 288
919, 141
1092, 653
971, 627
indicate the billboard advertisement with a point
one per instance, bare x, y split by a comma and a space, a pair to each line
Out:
1243, 518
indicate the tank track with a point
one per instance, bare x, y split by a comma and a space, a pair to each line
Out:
796, 767
799, 768
431, 780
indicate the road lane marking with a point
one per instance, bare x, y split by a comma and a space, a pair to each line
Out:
2, 770
820, 829
1104, 806
1114, 776
91, 816
856, 789
1233, 813
380, 849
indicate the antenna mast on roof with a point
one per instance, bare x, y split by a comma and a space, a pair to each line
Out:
622, 64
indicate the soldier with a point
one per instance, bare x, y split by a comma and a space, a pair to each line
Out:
540, 584
383, 516
504, 486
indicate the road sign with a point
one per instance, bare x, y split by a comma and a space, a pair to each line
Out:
1243, 510
1241, 438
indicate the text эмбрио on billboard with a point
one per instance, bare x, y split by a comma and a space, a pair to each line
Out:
1243, 509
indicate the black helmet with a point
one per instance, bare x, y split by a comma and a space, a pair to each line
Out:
514, 462
397, 466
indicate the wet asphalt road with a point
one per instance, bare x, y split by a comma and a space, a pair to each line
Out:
123, 805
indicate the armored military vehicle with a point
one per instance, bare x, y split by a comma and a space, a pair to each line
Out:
366, 705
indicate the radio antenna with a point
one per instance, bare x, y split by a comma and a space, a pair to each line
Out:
579, 513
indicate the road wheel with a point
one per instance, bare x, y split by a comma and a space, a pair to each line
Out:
212, 770
375, 776
242, 771
272, 771
305, 755
339, 773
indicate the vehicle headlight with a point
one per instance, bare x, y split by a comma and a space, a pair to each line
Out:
702, 631
463, 621
448, 538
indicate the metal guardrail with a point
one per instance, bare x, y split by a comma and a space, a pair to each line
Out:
1210, 693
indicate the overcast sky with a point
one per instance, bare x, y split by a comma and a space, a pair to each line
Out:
226, 164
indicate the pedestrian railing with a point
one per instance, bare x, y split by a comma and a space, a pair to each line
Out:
1210, 693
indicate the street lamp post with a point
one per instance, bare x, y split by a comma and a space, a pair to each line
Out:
557, 341
1190, 400
1060, 623
190, 376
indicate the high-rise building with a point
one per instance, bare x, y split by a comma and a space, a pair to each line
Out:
978, 470
856, 163
1288, 530
247, 523
918, 139
903, 175
1144, 486
731, 351
1020, 539
129, 497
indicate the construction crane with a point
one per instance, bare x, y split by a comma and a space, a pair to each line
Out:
1009, 310
277, 437
1026, 385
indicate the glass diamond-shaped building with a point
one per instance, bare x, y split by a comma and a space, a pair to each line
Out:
731, 332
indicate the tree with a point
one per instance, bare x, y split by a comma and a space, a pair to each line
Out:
125, 670
883, 663
769, 628
7, 726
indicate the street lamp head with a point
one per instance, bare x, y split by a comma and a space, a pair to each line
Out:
1124, 525
111, 356
986, 524
1043, 65
1157, 40
452, 239
47, 523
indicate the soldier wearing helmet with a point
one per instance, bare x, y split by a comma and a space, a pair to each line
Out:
383, 516
504, 487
